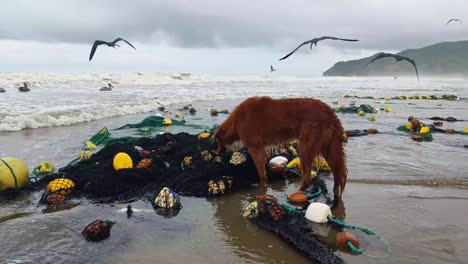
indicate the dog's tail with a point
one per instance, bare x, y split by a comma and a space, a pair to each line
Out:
334, 154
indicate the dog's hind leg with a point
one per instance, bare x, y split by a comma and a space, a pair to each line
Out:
309, 147
259, 158
334, 154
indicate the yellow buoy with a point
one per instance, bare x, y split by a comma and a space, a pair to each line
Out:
409, 126
167, 121
362, 113
320, 162
388, 109
371, 118
465, 130
85, 155
295, 163
424, 130
122, 161
204, 135
13, 173
61, 186
90, 145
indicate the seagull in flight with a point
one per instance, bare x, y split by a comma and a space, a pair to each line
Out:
454, 19
397, 58
272, 69
314, 41
110, 44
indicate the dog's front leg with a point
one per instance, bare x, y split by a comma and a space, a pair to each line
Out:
258, 156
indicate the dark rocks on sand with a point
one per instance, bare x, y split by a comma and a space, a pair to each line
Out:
2, 90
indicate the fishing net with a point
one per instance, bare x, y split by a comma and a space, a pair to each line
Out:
157, 122
356, 109
294, 228
450, 97
182, 162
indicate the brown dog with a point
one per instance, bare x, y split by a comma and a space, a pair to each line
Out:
262, 122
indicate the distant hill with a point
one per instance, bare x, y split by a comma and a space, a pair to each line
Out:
441, 59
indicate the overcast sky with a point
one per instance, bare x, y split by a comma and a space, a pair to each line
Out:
237, 37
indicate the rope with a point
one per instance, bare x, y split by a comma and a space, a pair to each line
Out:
366, 230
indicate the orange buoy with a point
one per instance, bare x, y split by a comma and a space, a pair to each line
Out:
342, 239
297, 197
266, 197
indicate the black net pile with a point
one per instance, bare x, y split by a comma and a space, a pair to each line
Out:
296, 230
97, 179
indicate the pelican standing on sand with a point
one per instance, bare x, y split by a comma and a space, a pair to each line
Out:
106, 88
24, 88
110, 44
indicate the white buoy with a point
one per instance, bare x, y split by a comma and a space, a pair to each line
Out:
318, 212
278, 161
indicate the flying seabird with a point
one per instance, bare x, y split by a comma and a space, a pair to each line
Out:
272, 69
24, 88
108, 88
454, 19
397, 58
110, 44
314, 41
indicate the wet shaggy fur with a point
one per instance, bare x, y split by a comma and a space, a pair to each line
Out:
259, 123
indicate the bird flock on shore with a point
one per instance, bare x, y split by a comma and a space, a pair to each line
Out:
311, 42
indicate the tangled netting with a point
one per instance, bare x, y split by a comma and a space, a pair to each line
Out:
296, 230
97, 179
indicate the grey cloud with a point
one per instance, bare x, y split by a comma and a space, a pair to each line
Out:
393, 25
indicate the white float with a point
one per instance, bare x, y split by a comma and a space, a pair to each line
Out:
318, 212
278, 161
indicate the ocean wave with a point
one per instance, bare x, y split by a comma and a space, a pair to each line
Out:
60, 99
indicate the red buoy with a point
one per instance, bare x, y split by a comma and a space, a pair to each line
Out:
342, 239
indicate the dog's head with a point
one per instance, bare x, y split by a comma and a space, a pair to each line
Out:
218, 137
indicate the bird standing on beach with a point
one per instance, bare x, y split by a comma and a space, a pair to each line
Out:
129, 211
110, 44
272, 69
314, 41
108, 88
24, 88
454, 19
397, 58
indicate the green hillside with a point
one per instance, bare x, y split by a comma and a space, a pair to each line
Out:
441, 59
